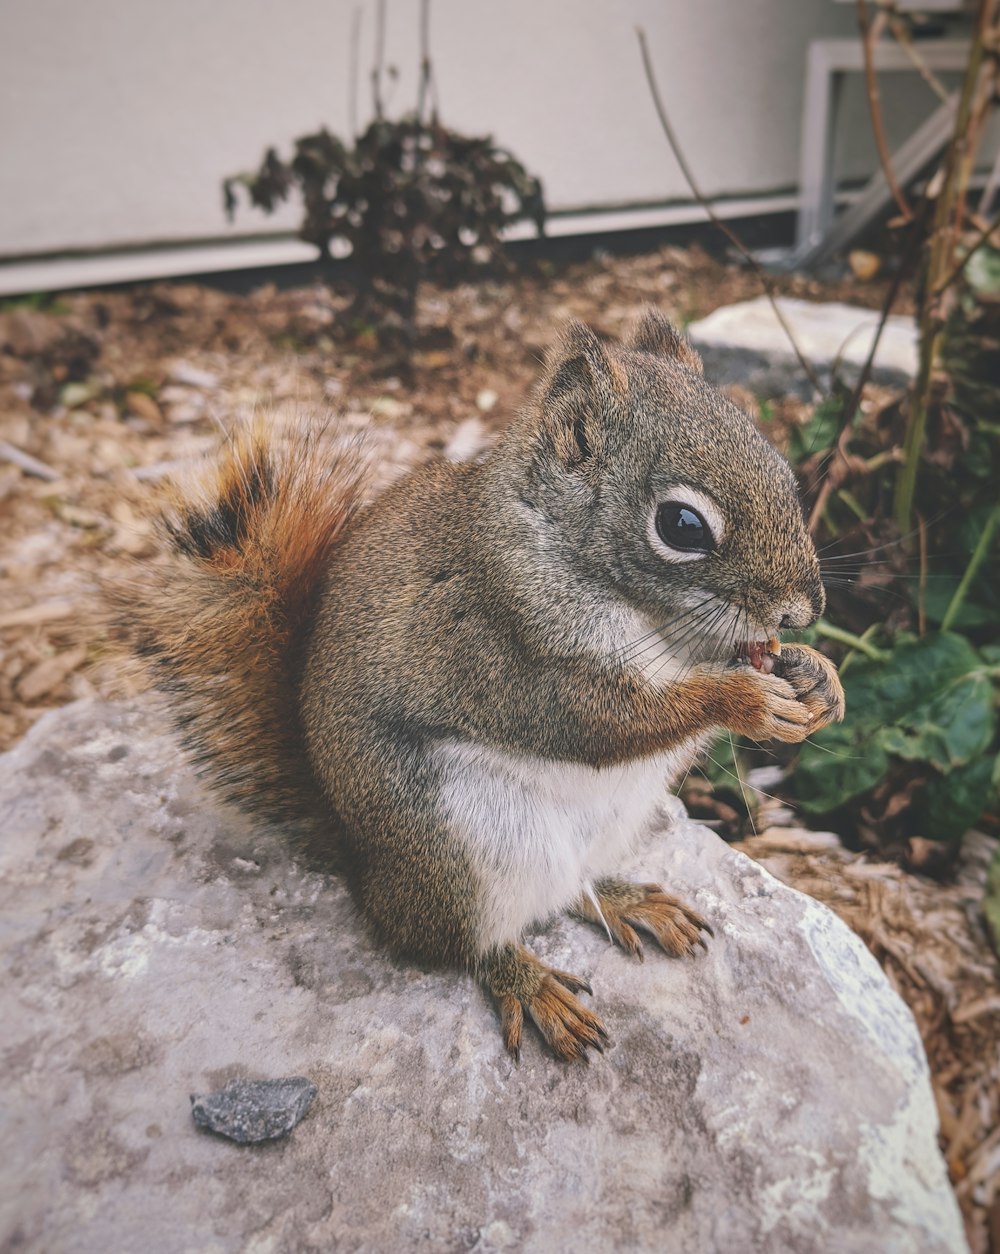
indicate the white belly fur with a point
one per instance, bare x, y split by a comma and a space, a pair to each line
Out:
538, 832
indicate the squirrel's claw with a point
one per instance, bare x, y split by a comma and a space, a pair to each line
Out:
816, 683
624, 907
521, 982
511, 1024
573, 982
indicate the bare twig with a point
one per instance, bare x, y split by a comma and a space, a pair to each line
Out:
713, 217
870, 33
379, 60
829, 482
992, 183
426, 68
973, 134
352, 71
902, 37
30, 465
906, 262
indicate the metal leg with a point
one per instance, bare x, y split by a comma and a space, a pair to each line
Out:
827, 62
908, 160
816, 182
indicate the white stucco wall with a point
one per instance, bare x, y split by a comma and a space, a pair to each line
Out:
119, 118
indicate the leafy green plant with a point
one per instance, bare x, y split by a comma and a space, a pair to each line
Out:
918, 754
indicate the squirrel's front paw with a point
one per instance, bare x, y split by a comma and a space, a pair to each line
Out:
520, 981
762, 706
801, 695
816, 683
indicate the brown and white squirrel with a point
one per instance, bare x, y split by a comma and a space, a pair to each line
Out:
477, 683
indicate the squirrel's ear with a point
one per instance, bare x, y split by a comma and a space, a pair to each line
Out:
580, 384
655, 334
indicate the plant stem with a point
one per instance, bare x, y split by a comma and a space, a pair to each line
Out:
940, 263
849, 657
975, 561
858, 643
870, 33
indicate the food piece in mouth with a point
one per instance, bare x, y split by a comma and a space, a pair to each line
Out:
762, 655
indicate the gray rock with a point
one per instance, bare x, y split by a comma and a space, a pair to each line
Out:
249, 1111
771, 1095
746, 344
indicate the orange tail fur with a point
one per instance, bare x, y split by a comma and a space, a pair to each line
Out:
220, 625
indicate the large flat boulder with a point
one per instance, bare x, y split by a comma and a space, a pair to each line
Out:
771, 1095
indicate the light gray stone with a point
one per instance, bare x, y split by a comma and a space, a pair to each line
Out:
746, 344
771, 1095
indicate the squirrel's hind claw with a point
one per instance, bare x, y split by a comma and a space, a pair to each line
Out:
521, 982
623, 907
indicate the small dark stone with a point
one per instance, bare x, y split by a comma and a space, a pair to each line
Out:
248, 1111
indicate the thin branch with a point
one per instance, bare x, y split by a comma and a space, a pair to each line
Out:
379, 60
973, 135
906, 262
828, 484
426, 68
24, 461
902, 37
352, 71
713, 217
870, 33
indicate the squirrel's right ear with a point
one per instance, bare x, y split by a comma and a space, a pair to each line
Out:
581, 383
654, 333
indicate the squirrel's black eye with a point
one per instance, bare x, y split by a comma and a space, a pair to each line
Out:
683, 528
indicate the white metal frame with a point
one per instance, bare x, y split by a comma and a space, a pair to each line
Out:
827, 64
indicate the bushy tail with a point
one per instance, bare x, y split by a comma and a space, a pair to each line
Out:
219, 625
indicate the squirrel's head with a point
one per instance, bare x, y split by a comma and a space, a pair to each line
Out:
651, 482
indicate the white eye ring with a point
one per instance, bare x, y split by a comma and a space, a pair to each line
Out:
705, 510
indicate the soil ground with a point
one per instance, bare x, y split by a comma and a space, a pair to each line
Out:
103, 395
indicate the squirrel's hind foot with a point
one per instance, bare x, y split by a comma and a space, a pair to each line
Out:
521, 982
621, 908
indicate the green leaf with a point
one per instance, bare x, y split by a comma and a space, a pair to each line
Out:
953, 727
951, 804
819, 432
836, 764
883, 692
931, 700
982, 270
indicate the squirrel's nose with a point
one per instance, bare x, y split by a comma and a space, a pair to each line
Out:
801, 611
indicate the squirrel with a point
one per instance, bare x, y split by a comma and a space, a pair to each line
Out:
476, 682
